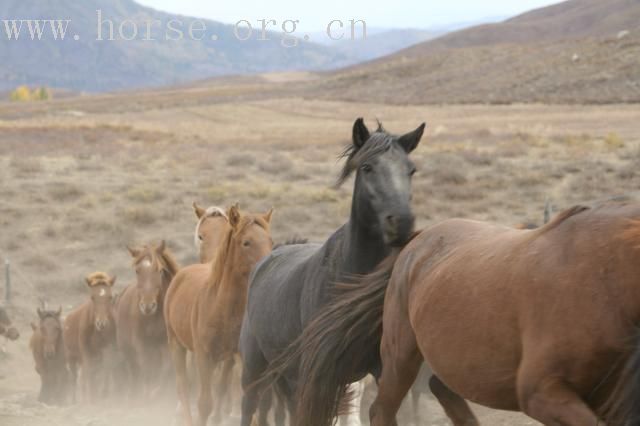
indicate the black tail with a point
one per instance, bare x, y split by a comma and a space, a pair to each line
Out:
623, 406
338, 347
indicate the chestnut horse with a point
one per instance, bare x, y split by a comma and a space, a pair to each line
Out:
47, 347
543, 321
89, 330
6, 327
205, 304
141, 331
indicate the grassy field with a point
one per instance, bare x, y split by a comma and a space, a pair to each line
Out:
83, 177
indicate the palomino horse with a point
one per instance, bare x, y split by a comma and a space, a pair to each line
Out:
211, 228
542, 321
141, 330
89, 330
290, 286
6, 327
47, 347
205, 304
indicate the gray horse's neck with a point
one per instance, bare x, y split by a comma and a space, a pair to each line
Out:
364, 246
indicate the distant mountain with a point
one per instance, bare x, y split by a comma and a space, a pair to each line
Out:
383, 43
574, 19
579, 51
90, 65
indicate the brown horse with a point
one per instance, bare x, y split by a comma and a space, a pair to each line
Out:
212, 226
543, 321
88, 331
206, 302
6, 327
47, 348
141, 330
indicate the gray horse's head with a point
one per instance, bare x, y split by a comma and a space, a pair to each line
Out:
382, 194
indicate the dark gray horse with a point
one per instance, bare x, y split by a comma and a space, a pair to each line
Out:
289, 286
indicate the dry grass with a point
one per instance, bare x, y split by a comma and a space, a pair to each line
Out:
75, 207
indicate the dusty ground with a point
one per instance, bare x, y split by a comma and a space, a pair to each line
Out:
80, 178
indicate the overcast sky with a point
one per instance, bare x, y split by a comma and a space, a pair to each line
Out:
315, 15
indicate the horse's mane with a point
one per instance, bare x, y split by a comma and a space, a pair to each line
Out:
379, 142
212, 211
98, 278
222, 254
161, 263
294, 241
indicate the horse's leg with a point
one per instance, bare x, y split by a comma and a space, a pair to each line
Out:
223, 393
204, 364
353, 418
266, 402
179, 357
401, 361
551, 401
73, 378
280, 416
415, 405
453, 404
254, 364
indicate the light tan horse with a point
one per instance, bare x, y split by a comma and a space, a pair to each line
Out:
543, 321
141, 329
212, 226
205, 305
89, 330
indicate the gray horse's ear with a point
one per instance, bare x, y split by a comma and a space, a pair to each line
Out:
410, 141
198, 210
360, 133
40, 313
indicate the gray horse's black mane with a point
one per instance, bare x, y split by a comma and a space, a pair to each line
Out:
292, 242
379, 142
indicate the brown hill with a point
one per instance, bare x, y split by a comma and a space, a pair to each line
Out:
580, 51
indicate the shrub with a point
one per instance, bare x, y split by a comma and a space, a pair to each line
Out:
21, 94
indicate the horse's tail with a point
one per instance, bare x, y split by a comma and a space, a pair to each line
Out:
623, 406
341, 344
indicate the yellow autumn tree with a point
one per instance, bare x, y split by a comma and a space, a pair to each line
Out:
21, 94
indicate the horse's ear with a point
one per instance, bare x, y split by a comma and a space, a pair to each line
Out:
112, 281
40, 313
360, 133
267, 216
135, 252
161, 247
234, 215
59, 311
199, 210
410, 141
34, 327
88, 281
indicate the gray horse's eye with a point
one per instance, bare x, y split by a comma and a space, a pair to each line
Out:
367, 168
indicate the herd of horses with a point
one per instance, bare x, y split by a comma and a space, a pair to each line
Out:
543, 321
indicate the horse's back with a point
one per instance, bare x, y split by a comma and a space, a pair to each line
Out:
486, 299
275, 292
